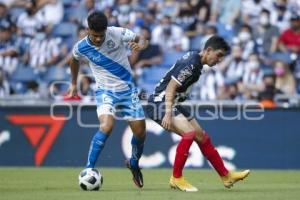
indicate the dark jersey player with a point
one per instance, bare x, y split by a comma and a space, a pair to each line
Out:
164, 109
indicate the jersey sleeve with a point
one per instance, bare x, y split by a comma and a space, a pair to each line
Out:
182, 73
76, 54
125, 34
183, 70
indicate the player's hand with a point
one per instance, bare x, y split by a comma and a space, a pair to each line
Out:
167, 121
72, 91
136, 46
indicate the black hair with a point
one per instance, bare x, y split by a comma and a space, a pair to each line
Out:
97, 21
247, 27
266, 11
217, 42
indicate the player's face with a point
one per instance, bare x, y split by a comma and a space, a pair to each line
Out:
213, 56
97, 38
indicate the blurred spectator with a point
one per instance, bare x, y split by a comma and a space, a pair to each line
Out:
244, 38
8, 49
4, 15
285, 81
112, 19
33, 89
252, 9
124, 12
280, 15
152, 55
211, 84
289, 40
252, 81
14, 3
79, 17
43, 50
46, 10
86, 86
233, 66
4, 85
186, 18
28, 22
226, 12
209, 31
265, 34
266, 97
81, 33
169, 36
202, 9
169, 8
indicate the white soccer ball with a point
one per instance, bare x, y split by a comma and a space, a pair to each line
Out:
90, 179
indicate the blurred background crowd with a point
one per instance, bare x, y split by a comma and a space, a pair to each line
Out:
264, 63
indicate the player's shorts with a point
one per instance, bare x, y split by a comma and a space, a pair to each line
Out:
157, 110
123, 105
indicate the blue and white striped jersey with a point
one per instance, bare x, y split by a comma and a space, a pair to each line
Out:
109, 62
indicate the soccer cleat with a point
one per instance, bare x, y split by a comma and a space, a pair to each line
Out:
181, 184
233, 177
137, 175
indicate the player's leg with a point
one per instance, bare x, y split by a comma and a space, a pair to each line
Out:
138, 128
137, 142
106, 118
99, 139
209, 151
181, 126
131, 109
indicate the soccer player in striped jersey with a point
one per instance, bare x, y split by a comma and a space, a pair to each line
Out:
105, 48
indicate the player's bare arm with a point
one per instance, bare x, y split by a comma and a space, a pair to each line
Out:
169, 101
139, 43
74, 65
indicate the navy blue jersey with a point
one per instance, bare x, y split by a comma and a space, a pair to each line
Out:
185, 72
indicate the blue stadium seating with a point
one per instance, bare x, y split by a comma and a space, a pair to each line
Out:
15, 12
54, 73
24, 74
65, 30
284, 57
169, 58
150, 77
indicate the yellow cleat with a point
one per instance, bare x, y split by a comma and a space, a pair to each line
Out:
182, 184
233, 177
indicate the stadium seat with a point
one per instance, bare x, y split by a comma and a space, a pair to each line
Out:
226, 32
284, 57
153, 74
24, 74
169, 58
56, 74
65, 30
196, 43
67, 3
15, 12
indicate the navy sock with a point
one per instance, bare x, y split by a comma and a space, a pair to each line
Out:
137, 151
96, 147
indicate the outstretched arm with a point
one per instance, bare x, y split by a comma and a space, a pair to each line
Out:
74, 65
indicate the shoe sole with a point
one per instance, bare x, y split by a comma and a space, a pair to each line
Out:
174, 187
231, 184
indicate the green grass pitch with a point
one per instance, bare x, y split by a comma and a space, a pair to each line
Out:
62, 184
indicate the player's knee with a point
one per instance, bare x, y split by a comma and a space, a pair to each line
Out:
106, 128
199, 135
140, 132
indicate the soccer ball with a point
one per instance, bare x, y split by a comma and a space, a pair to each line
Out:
90, 179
